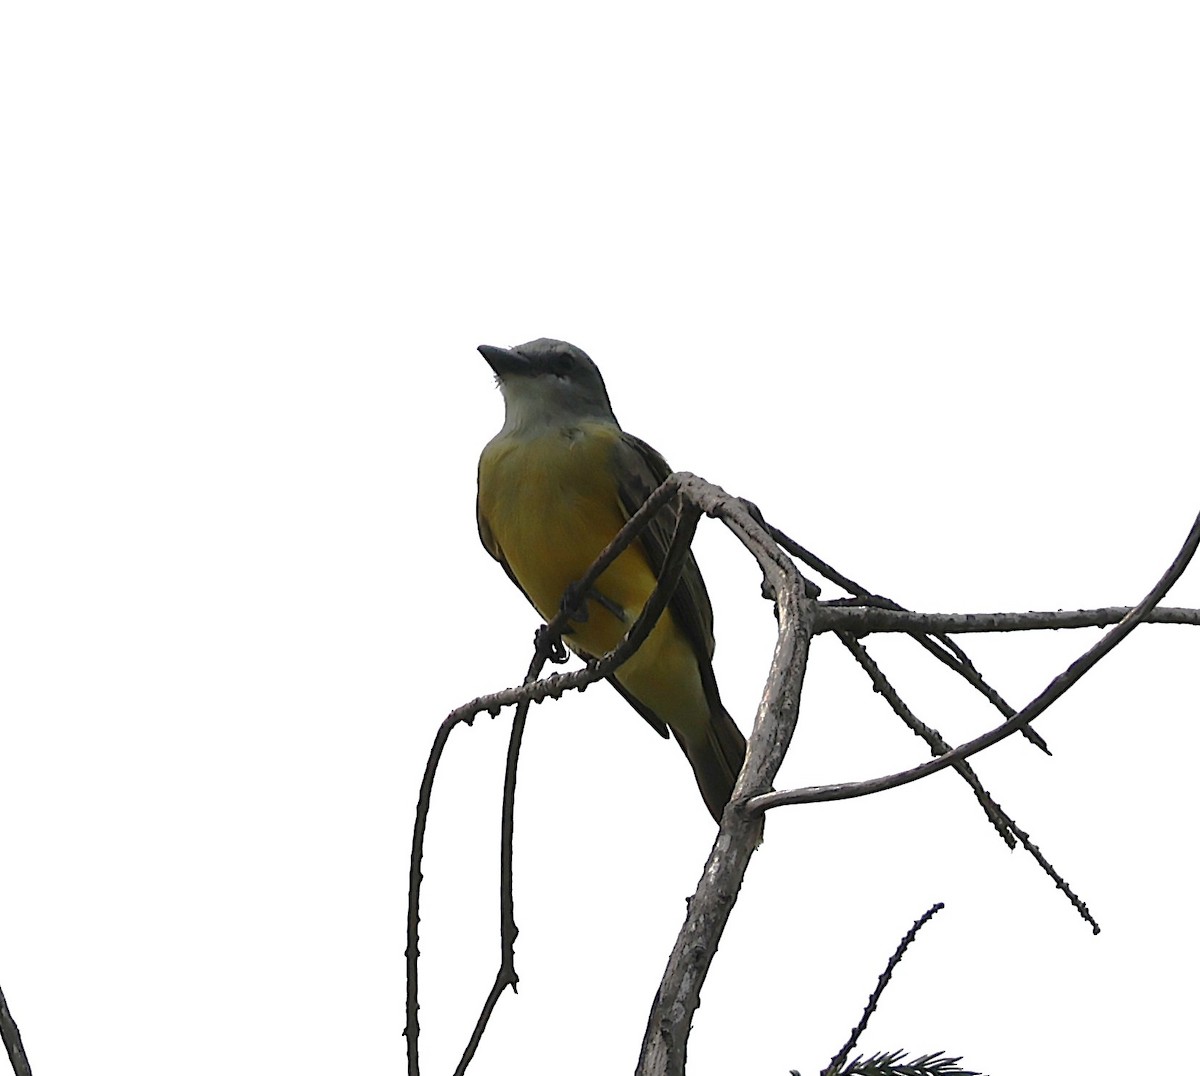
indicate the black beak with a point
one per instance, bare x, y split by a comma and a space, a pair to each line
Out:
503, 361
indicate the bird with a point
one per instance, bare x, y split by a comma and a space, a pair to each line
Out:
556, 484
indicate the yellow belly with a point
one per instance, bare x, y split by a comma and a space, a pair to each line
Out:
552, 504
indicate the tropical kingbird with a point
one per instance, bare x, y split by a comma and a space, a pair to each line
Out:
555, 485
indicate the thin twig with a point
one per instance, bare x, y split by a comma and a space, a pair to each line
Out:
839, 1059
1001, 819
1052, 692
11, 1035
506, 974
937, 745
966, 669
1060, 882
862, 620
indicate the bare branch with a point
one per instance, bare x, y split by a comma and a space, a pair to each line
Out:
961, 664
930, 735
506, 974
860, 620
11, 1035
1000, 819
664, 1047
1052, 692
1060, 882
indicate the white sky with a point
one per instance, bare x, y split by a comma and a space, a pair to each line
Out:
918, 278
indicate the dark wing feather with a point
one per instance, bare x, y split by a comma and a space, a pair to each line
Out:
642, 471
652, 719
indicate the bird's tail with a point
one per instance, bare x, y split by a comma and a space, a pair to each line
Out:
716, 758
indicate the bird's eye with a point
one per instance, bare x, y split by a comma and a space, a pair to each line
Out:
561, 365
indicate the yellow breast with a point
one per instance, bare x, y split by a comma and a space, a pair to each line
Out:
552, 504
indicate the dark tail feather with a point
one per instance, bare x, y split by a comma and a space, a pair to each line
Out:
717, 760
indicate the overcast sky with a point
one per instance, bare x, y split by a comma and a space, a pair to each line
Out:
920, 279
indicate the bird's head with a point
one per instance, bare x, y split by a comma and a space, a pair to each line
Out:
548, 382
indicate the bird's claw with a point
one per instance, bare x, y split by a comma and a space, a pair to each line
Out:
574, 605
553, 648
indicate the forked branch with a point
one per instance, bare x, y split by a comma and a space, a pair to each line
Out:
1050, 694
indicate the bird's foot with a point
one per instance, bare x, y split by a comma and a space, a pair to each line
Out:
553, 648
574, 604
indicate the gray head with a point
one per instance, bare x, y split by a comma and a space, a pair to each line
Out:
546, 383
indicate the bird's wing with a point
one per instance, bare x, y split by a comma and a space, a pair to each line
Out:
642, 471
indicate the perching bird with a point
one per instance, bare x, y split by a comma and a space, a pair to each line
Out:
555, 485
